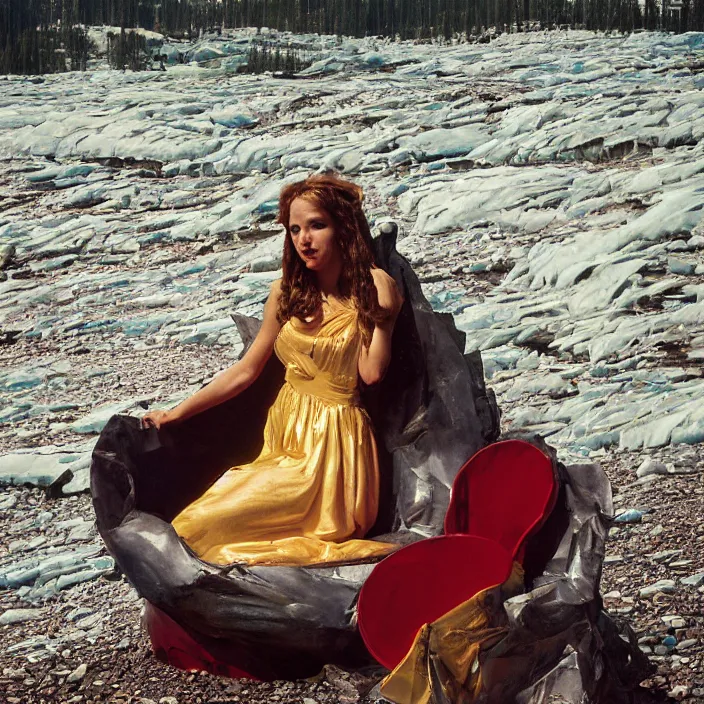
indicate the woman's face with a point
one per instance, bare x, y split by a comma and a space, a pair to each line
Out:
313, 235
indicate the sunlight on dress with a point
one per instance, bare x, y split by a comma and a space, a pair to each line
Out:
312, 494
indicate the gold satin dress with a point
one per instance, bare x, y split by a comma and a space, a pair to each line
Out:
312, 494
446, 654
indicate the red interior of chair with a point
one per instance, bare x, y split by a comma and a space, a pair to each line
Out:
420, 583
504, 492
173, 645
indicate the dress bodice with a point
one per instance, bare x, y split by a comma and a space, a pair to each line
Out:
321, 356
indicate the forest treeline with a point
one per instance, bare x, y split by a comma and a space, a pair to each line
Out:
39, 36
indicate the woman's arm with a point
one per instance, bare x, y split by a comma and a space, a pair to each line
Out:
234, 379
374, 360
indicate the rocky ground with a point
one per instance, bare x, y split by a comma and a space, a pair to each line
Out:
549, 191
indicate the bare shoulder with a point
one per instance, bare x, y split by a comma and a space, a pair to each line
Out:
275, 290
272, 303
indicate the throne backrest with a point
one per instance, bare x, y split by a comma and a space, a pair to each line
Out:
504, 493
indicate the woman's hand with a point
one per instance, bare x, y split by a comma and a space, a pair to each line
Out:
390, 298
156, 419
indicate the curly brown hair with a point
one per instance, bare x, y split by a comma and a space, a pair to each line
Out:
300, 295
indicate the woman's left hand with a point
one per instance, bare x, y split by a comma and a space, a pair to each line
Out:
390, 298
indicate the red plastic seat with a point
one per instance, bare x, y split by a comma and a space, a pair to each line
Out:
173, 645
500, 496
504, 493
420, 583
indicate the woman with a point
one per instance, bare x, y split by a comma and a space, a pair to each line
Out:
312, 493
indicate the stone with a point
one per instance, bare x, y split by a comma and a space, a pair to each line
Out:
14, 616
666, 586
679, 692
89, 621
7, 251
695, 580
84, 531
64, 581
679, 266
14, 673
664, 555
78, 674
95, 421
37, 470
632, 515
7, 502
78, 613
650, 467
